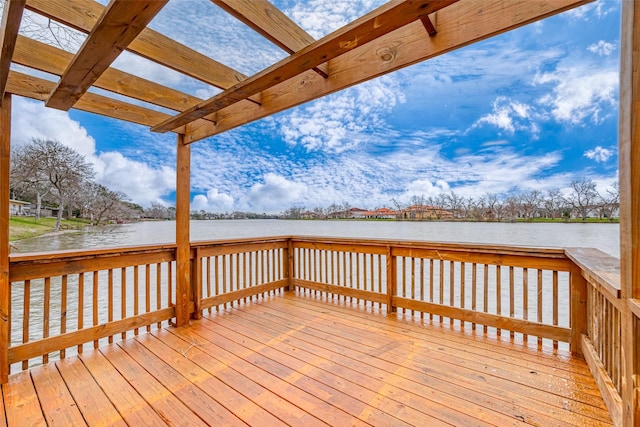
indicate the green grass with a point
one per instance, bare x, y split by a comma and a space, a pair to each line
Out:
23, 227
573, 220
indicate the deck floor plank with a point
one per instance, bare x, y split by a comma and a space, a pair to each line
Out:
403, 383
300, 358
131, 406
507, 376
546, 358
334, 388
94, 405
313, 401
507, 367
21, 401
162, 400
56, 401
378, 388
207, 407
254, 405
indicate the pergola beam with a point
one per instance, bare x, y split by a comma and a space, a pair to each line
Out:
42, 57
38, 89
83, 14
118, 26
460, 24
271, 23
11, 18
381, 21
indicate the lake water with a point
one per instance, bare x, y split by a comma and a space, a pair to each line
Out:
605, 237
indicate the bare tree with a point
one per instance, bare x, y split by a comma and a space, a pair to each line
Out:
583, 198
53, 168
531, 203
609, 202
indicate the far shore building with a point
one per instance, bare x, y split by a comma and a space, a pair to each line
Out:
351, 213
381, 213
422, 212
18, 207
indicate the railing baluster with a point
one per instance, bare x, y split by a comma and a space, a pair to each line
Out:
499, 294
485, 296
159, 290
463, 285
540, 296
123, 297
26, 312
525, 299
147, 287
136, 296
94, 282
452, 288
474, 290
511, 298
63, 310
431, 285
110, 300
555, 304
80, 306
46, 313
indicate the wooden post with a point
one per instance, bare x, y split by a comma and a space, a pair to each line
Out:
5, 286
391, 280
578, 289
183, 251
629, 154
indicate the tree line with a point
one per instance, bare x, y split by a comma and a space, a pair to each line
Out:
581, 200
45, 171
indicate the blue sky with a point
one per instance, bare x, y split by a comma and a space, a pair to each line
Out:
532, 109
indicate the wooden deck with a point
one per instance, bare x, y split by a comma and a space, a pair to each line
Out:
296, 359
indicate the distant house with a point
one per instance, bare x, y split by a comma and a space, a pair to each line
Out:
17, 207
421, 212
381, 213
352, 213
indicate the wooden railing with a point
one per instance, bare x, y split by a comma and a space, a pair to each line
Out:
553, 298
602, 337
522, 292
62, 301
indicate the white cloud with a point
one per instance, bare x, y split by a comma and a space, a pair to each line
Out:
597, 9
213, 201
602, 48
341, 121
579, 93
276, 193
31, 120
142, 183
320, 17
510, 115
599, 154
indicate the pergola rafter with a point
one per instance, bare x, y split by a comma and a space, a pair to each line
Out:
119, 25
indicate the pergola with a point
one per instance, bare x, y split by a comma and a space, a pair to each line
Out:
396, 35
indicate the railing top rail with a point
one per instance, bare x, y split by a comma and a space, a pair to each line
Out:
547, 252
598, 265
74, 254
241, 241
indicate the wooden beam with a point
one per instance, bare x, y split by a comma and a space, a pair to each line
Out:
11, 17
118, 26
82, 15
5, 285
381, 21
629, 155
43, 57
183, 251
460, 24
271, 23
39, 89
